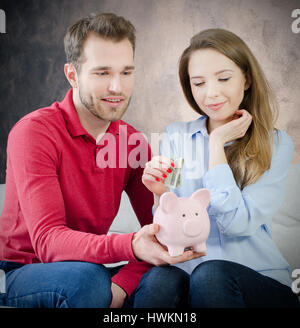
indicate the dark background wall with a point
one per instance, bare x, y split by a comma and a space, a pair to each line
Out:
32, 55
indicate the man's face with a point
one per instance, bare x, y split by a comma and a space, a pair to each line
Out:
105, 80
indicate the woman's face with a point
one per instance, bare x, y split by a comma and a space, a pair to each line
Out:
217, 84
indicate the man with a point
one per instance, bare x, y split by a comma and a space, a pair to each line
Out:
60, 200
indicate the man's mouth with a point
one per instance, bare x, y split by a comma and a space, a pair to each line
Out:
113, 101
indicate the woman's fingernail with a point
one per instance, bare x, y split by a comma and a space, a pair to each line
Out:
164, 176
172, 164
169, 170
157, 179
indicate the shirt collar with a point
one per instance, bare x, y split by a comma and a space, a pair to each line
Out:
72, 120
199, 125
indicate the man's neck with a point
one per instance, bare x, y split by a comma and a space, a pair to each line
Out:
93, 125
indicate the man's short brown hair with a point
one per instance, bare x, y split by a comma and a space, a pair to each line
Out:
107, 25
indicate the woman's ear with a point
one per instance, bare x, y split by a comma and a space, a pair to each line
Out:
247, 82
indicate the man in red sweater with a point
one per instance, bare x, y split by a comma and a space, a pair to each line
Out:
65, 178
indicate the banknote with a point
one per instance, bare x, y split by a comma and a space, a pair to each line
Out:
173, 179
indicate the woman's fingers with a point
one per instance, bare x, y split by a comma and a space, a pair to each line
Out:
154, 174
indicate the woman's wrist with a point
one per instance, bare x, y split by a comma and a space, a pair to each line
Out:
216, 152
156, 200
215, 140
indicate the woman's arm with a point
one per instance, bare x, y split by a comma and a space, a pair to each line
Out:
241, 213
228, 132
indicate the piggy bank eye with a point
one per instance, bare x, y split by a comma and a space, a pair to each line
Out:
183, 215
196, 214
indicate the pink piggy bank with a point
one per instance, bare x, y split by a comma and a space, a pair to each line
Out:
184, 222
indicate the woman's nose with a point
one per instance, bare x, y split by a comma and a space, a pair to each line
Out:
212, 90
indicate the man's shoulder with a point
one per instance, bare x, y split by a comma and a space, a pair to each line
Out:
46, 116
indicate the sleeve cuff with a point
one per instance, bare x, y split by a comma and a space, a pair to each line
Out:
120, 247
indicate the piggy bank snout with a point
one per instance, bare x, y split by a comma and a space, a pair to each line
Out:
192, 227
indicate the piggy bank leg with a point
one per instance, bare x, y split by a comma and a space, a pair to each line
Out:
200, 248
175, 250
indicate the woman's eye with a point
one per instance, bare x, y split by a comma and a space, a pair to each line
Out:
102, 73
198, 84
223, 80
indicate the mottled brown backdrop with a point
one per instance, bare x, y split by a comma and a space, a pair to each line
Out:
32, 55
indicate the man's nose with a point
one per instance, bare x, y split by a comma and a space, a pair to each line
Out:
115, 84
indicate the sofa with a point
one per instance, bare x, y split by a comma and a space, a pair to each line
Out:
286, 222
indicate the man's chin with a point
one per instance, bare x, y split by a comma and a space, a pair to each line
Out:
112, 117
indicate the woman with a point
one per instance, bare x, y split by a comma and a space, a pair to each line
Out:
244, 161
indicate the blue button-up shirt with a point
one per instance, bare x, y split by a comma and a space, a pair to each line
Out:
241, 220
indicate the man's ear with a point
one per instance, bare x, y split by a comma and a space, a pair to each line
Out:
71, 74
248, 81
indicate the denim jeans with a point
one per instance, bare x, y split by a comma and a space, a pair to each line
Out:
57, 285
212, 284
161, 287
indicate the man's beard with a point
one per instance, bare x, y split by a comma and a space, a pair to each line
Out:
89, 104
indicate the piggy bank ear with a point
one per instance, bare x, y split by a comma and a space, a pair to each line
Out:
202, 196
168, 202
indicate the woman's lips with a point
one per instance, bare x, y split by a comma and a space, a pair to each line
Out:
216, 106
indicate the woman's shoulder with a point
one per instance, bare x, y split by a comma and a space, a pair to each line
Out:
186, 127
282, 137
283, 143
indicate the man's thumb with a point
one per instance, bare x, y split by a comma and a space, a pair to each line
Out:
153, 229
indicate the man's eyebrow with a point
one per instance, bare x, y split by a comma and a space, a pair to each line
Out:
128, 68
108, 68
101, 68
219, 72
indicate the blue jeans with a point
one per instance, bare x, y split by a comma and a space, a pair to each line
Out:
57, 285
212, 284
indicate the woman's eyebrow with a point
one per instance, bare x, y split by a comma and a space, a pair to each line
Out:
219, 72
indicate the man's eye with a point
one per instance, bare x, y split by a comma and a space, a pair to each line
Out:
102, 73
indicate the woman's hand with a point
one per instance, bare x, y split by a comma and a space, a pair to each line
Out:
155, 173
230, 131
234, 129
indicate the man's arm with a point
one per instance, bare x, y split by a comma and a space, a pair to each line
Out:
34, 160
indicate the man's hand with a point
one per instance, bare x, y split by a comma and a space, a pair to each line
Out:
146, 247
118, 296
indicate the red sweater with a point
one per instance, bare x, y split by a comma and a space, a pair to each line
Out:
59, 204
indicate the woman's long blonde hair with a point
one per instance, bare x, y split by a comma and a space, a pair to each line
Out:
249, 157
